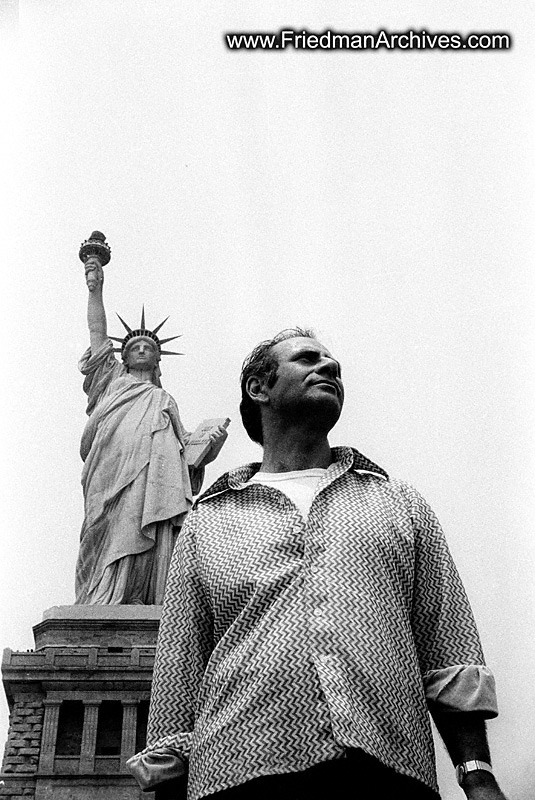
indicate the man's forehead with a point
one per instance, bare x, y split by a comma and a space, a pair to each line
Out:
298, 344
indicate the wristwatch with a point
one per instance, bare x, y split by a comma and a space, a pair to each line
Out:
462, 770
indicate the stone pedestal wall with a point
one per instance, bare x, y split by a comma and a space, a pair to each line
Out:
90, 655
21, 755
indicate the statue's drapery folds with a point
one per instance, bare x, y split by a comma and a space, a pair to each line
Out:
137, 485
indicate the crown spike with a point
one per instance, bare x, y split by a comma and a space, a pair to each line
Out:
142, 326
170, 353
157, 328
127, 328
116, 339
170, 339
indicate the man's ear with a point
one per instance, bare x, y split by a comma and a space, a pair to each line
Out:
255, 388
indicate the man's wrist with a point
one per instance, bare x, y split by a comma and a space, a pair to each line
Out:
481, 785
478, 778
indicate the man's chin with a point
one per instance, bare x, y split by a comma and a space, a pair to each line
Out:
323, 411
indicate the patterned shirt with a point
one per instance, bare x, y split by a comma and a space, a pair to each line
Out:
284, 641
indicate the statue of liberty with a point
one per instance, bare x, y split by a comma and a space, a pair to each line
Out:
137, 485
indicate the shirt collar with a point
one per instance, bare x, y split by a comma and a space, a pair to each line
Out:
343, 459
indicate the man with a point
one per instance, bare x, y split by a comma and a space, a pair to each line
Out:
136, 482
312, 617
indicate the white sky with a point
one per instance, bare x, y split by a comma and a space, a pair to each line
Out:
384, 198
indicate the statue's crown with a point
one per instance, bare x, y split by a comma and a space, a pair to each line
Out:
143, 331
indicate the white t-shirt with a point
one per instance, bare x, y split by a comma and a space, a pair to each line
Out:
298, 485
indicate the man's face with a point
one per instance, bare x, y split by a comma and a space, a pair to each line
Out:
141, 354
308, 381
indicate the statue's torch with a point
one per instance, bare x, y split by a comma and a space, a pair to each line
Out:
95, 252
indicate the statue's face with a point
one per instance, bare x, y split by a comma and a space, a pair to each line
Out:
141, 354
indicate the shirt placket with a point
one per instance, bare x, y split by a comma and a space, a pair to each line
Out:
316, 599
319, 598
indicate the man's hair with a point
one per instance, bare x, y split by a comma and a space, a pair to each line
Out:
262, 364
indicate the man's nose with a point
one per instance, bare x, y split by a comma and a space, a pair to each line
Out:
327, 366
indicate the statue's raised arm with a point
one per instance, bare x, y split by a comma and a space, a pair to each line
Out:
137, 484
95, 253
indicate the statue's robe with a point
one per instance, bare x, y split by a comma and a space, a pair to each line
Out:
136, 484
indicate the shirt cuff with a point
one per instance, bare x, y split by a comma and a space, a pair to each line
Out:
151, 769
462, 688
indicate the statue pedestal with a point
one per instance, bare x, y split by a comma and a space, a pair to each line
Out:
98, 626
79, 703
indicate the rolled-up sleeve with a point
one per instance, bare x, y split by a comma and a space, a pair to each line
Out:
462, 688
452, 664
183, 649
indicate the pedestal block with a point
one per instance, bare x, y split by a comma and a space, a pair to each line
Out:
79, 704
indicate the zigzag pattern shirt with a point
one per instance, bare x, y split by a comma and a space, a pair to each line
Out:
284, 641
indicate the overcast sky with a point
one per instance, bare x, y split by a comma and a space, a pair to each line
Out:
384, 198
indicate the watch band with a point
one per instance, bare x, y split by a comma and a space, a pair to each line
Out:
462, 770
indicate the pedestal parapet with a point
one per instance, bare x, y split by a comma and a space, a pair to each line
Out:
79, 703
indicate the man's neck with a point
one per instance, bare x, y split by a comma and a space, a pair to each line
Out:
295, 450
